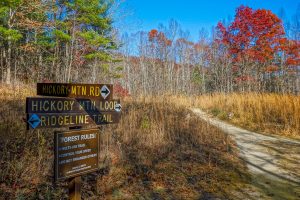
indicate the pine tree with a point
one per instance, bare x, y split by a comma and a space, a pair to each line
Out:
8, 33
21, 23
83, 31
60, 40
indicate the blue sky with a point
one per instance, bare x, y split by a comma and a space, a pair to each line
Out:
193, 14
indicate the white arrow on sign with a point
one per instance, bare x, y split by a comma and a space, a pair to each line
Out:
118, 107
105, 91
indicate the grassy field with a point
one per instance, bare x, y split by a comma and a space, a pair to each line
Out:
268, 113
159, 150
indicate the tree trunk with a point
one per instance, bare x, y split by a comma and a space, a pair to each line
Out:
8, 69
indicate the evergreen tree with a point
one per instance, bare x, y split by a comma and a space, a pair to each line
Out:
59, 40
83, 31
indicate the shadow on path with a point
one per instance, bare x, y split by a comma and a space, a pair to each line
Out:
273, 161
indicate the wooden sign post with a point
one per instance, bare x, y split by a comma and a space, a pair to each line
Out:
73, 106
75, 188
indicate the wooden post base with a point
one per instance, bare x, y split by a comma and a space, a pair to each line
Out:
75, 188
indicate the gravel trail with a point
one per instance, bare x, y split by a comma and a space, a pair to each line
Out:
271, 159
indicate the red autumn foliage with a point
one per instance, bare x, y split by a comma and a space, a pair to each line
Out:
254, 34
293, 53
120, 91
243, 78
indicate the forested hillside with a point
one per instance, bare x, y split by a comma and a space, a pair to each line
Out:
60, 41
252, 52
75, 41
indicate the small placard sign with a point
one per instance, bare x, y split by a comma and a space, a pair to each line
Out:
76, 153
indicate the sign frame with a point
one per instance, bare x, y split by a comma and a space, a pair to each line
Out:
80, 91
70, 105
55, 166
83, 119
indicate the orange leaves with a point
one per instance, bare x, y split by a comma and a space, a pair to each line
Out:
199, 46
168, 42
29, 48
272, 68
152, 34
159, 37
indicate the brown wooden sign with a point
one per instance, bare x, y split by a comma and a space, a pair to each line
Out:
76, 153
70, 105
56, 120
73, 105
99, 91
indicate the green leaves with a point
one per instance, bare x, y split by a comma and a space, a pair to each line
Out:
93, 20
66, 34
102, 56
197, 76
45, 41
10, 34
94, 38
4, 12
10, 3
62, 36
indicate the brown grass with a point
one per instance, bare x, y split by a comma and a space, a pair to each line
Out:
26, 157
159, 150
165, 152
269, 113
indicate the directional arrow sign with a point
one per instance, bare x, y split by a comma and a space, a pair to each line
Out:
69, 105
96, 91
56, 120
118, 107
34, 120
105, 91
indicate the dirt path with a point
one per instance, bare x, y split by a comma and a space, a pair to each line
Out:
273, 161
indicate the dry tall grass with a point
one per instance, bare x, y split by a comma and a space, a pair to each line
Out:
26, 157
165, 152
270, 113
159, 150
